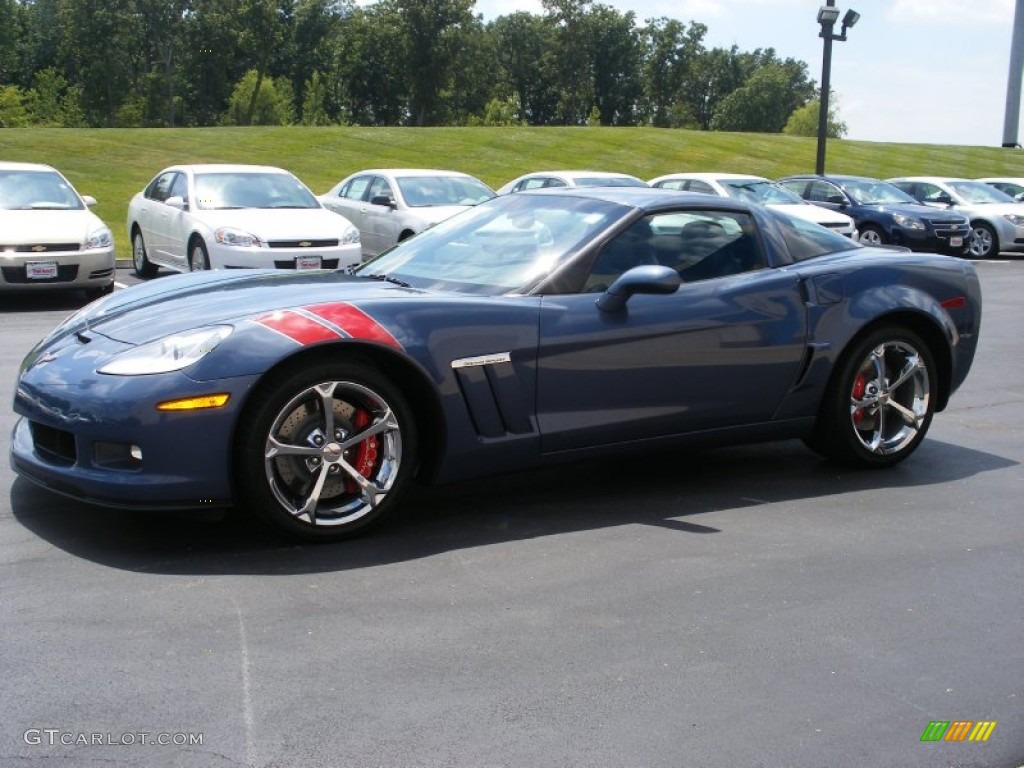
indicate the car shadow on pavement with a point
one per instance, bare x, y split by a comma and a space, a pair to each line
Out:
670, 490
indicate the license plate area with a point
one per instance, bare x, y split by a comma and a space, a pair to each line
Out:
303, 263
41, 270
956, 241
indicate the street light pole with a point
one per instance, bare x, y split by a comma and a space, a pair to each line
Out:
826, 77
828, 15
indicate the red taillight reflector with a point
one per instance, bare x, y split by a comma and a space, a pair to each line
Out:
956, 303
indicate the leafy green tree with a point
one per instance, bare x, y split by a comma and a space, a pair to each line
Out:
804, 121
53, 101
573, 56
617, 65
670, 50
525, 45
13, 113
260, 101
11, 33
371, 84
313, 99
761, 105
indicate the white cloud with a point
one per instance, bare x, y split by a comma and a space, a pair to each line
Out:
951, 12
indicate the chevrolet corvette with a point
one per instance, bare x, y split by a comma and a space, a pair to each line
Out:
531, 329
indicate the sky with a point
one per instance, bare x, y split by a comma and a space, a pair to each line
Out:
910, 71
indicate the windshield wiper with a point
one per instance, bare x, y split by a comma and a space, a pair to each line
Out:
387, 279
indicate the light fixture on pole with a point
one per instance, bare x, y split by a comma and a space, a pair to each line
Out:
828, 15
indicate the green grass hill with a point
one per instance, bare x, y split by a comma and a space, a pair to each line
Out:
113, 164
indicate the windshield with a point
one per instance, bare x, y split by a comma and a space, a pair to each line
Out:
506, 245
760, 191
37, 191
979, 192
425, 191
219, 191
876, 193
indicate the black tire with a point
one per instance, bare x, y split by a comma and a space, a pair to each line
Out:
140, 261
870, 234
880, 401
198, 256
983, 240
283, 450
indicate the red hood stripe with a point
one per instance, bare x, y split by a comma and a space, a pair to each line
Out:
354, 322
297, 327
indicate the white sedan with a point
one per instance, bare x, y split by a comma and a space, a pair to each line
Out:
49, 239
197, 217
390, 204
757, 189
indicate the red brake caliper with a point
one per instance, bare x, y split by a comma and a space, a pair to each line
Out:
860, 384
366, 451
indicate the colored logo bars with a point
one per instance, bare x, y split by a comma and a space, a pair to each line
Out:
958, 730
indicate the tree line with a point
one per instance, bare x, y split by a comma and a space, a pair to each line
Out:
138, 63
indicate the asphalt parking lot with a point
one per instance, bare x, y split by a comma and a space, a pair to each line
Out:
750, 606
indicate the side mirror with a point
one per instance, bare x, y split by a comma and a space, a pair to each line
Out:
89, 200
943, 198
649, 278
382, 200
177, 202
836, 199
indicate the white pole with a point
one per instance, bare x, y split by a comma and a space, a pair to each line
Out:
1012, 120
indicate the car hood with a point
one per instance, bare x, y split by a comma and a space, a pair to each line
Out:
919, 211
30, 227
992, 209
814, 213
177, 303
278, 223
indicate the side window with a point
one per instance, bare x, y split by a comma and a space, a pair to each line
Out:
822, 192
160, 188
796, 187
179, 187
928, 193
379, 187
555, 183
678, 184
699, 244
701, 186
355, 189
531, 183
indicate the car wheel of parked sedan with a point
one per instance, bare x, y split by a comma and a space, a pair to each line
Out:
871, 235
325, 451
198, 258
140, 261
984, 242
880, 402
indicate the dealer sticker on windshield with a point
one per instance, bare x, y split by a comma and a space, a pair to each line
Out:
41, 270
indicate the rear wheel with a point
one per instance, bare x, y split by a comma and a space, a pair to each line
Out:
880, 403
326, 452
140, 261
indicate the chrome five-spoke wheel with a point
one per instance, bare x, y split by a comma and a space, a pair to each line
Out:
333, 451
880, 402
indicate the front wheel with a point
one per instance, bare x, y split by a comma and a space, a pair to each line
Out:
984, 242
871, 235
140, 261
198, 258
326, 452
880, 403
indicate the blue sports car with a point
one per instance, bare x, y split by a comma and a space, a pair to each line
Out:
533, 328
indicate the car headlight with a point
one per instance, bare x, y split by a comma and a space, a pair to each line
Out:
351, 236
171, 353
1014, 218
907, 222
236, 238
100, 238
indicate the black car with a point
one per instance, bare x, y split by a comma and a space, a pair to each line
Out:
884, 214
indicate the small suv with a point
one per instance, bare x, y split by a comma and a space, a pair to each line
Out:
997, 220
885, 215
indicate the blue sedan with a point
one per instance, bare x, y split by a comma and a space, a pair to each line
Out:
529, 330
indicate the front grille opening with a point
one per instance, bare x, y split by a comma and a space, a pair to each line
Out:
117, 455
54, 445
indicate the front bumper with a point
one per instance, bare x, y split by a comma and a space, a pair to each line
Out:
21, 271
336, 257
79, 436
